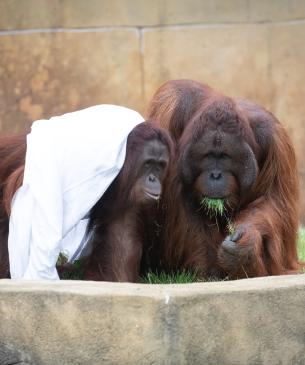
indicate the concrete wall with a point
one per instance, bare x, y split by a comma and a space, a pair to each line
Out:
253, 321
62, 55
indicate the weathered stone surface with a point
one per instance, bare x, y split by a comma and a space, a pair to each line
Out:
253, 321
151, 13
287, 72
11, 356
33, 14
225, 57
29, 14
48, 74
276, 10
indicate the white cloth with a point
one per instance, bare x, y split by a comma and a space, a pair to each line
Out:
70, 162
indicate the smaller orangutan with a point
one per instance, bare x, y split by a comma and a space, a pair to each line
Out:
230, 205
122, 222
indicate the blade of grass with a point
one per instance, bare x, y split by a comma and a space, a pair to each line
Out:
213, 206
301, 244
182, 277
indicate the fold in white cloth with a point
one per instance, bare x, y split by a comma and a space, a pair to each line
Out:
70, 162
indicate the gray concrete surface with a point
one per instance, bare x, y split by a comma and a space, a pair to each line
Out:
252, 321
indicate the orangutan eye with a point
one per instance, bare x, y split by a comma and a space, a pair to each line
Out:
148, 163
214, 155
209, 155
162, 164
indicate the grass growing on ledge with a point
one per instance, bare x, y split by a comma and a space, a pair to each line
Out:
182, 277
301, 244
67, 271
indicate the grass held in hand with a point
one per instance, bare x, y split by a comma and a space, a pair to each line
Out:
214, 206
179, 277
230, 228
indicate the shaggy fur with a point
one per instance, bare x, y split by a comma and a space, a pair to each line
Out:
260, 183
121, 223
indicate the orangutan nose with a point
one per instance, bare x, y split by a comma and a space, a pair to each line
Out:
152, 178
215, 175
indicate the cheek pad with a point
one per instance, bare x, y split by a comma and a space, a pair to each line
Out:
246, 168
185, 167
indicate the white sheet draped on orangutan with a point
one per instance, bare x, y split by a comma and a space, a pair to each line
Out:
70, 162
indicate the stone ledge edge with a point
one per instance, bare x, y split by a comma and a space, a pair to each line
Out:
156, 291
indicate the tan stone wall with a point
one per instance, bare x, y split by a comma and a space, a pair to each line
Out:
61, 55
253, 321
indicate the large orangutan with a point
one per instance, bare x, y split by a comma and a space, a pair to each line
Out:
232, 154
174, 104
122, 221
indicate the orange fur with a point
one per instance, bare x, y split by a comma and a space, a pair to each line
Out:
268, 214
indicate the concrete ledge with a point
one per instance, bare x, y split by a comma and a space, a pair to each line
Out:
252, 321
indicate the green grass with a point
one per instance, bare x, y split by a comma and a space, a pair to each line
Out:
301, 244
182, 277
73, 271
62, 259
76, 274
231, 228
213, 206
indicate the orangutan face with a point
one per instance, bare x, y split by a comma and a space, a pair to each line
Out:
219, 165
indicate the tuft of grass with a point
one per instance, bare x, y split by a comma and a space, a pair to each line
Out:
301, 244
68, 271
214, 206
62, 259
182, 277
230, 228
75, 274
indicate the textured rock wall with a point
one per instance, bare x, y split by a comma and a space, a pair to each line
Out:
61, 55
253, 321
